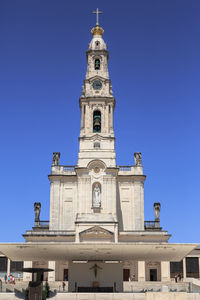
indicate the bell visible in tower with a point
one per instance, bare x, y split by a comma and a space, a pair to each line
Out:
97, 64
97, 121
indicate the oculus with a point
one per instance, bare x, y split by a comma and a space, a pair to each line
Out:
97, 85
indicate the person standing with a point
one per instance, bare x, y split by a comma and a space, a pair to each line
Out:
0, 285
5, 278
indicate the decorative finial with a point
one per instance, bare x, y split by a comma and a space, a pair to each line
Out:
97, 12
97, 30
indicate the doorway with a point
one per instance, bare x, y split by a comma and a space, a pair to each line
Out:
153, 274
65, 275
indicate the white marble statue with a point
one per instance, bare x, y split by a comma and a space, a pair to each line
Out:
96, 196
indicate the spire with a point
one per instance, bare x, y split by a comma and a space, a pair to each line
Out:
97, 30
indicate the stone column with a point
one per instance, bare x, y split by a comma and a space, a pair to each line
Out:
165, 271
8, 267
27, 276
184, 268
111, 116
141, 271
116, 233
199, 266
82, 116
52, 275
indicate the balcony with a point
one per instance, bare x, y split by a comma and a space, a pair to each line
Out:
63, 170
130, 170
152, 225
41, 225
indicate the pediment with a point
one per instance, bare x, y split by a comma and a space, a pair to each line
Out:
96, 137
97, 77
97, 231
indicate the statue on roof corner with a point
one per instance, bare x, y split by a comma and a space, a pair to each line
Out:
56, 158
138, 159
37, 207
157, 211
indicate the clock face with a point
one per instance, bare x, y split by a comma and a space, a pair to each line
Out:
97, 85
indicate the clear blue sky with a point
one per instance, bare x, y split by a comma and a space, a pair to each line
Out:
154, 67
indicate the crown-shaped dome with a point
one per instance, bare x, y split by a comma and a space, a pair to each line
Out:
97, 30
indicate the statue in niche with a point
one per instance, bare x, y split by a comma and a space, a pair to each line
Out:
37, 207
138, 158
96, 196
56, 158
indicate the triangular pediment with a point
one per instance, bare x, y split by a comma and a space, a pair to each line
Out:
96, 137
97, 231
97, 77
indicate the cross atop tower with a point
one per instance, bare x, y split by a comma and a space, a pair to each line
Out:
97, 12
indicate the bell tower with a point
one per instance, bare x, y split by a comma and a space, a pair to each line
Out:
97, 105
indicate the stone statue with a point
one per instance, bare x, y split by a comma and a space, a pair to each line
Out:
157, 211
37, 207
96, 196
138, 158
56, 158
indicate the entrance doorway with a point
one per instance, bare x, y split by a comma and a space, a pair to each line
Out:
65, 275
153, 274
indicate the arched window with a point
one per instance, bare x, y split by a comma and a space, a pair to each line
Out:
97, 64
97, 121
96, 195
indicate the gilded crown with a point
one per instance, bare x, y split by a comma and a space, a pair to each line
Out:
97, 31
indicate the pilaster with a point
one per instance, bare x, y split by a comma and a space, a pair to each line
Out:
52, 275
165, 271
8, 267
184, 268
27, 276
199, 265
141, 271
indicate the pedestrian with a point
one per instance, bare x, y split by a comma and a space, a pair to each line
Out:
132, 277
0, 285
63, 286
179, 276
5, 278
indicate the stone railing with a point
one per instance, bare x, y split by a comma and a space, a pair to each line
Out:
152, 225
44, 223
125, 168
130, 170
68, 168
64, 170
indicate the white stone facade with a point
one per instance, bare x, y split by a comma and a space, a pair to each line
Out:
121, 189
113, 214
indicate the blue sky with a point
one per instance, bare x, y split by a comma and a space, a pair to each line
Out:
154, 67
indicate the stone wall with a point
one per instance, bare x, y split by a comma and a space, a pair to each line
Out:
111, 296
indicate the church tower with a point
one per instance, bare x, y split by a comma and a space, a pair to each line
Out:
96, 200
97, 106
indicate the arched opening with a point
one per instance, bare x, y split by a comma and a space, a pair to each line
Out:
96, 195
97, 64
97, 121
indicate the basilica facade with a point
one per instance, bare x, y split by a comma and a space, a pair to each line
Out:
96, 235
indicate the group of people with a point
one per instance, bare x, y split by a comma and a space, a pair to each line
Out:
178, 277
9, 279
